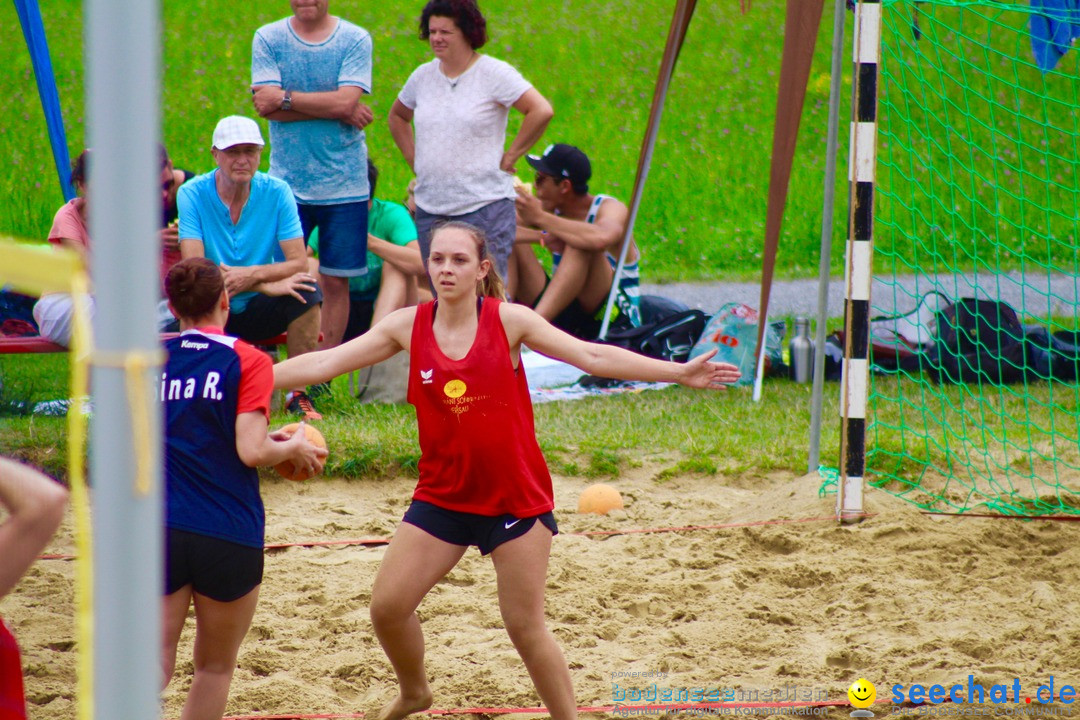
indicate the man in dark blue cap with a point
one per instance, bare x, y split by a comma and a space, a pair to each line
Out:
584, 234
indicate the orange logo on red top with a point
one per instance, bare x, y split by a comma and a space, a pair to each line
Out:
454, 389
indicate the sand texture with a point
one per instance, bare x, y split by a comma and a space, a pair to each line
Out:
899, 598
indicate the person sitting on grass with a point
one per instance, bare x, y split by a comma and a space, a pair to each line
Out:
393, 263
171, 179
246, 221
483, 480
35, 507
54, 313
584, 234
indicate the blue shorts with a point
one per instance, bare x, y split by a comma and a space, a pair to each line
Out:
343, 231
461, 528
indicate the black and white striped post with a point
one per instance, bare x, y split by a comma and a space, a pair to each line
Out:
858, 273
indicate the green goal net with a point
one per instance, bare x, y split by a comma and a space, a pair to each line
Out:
977, 196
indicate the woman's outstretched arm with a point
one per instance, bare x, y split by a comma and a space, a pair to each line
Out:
523, 325
385, 339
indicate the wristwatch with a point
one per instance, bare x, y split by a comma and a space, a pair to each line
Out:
286, 102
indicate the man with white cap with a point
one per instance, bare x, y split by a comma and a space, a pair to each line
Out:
246, 221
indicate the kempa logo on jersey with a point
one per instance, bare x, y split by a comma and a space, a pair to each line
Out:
425, 376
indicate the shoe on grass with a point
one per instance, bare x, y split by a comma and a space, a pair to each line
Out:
298, 403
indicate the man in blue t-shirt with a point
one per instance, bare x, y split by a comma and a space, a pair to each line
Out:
308, 73
246, 222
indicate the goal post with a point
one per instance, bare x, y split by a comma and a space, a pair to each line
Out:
964, 170
858, 259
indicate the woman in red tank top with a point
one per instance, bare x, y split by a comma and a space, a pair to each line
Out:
482, 480
35, 506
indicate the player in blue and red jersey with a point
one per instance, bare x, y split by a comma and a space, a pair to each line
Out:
483, 480
216, 392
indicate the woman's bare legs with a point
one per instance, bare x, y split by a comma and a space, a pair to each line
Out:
174, 612
521, 569
220, 627
414, 562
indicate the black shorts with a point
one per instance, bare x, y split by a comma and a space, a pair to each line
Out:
219, 569
574, 319
360, 312
461, 528
268, 316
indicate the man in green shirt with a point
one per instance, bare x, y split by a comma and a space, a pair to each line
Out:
393, 262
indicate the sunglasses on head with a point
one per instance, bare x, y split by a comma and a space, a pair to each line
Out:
540, 177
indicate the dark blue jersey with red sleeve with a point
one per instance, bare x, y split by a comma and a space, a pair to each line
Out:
210, 379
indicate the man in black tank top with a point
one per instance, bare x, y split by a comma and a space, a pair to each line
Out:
584, 234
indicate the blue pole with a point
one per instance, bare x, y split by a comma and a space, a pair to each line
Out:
34, 32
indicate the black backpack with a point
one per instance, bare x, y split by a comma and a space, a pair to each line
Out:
671, 338
978, 341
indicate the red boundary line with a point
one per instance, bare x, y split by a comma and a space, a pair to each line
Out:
375, 542
585, 709
725, 526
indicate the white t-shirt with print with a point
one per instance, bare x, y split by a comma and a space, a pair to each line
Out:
460, 131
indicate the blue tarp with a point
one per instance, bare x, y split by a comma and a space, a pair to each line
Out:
34, 32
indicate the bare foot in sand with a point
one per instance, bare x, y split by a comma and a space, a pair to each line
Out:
403, 705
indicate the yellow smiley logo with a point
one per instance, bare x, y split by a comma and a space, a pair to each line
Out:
862, 693
454, 389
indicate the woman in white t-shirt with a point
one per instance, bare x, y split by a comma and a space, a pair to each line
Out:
449, 121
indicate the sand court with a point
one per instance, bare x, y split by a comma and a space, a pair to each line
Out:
766, 605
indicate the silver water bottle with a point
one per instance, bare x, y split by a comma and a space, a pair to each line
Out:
802, 352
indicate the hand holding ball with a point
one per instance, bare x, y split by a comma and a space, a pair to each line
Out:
286, 468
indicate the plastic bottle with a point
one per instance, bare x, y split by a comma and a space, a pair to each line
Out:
802, 352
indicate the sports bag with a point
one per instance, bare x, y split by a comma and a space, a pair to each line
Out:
978, 341
669, 339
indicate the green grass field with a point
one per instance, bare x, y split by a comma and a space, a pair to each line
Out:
703, 211
677, 430
702, 215
977, 169
976, 145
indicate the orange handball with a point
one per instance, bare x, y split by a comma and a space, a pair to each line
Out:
286, 468
600, 499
